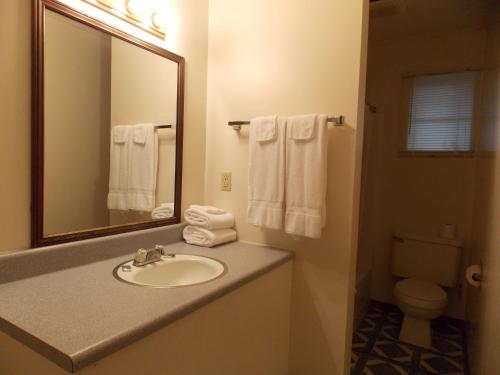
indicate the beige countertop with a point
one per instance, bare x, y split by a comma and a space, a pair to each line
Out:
77, 315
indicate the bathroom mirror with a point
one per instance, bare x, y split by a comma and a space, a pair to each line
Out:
107, 129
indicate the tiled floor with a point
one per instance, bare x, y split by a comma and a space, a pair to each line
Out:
376, 349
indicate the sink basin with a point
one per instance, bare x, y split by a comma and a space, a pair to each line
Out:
171, 271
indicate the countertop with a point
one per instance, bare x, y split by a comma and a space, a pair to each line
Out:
75, 316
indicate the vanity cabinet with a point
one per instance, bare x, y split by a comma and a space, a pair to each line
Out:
245, 332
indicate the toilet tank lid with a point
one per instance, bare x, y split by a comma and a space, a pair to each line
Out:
428, 238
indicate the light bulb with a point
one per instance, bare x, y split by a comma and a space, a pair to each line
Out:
134, 7
108, 3
139, 9
159, 20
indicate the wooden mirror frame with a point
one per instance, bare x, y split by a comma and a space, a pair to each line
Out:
37, 147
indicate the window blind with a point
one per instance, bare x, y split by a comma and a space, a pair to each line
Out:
441, 112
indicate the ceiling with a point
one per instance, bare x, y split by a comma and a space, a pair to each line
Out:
392, 18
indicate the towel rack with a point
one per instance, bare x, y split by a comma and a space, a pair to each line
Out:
337, 121
166, 126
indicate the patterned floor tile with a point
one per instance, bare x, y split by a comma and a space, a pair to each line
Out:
393, 350
390, 332
447, 327
395, 317
450, 347
354, 360
359, 341
391, 327
377, 366
439, 364
368, 325
378, 351
375, 312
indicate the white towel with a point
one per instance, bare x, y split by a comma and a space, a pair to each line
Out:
266, 172
207, 238
209, 217
119, 168
163, 211
143, 167
306, 175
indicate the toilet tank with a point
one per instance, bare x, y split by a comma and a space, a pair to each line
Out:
426, 258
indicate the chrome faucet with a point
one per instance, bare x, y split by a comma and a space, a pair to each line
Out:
143, 256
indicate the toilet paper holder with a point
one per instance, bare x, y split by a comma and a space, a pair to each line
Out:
474, 274
476, 277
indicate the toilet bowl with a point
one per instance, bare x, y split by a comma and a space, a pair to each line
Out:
423, 264
420, 301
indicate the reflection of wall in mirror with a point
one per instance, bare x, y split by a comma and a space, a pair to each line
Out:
77, 102
144, 90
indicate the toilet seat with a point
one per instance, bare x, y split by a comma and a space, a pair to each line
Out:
422, 294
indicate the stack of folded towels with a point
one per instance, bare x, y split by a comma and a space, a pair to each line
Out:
208, 226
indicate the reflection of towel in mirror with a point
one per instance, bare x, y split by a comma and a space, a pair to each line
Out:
163, 211
143, 166
133, 166
209, 217
119, 168
208, 238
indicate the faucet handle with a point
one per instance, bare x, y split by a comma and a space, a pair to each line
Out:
160, 249
141, 256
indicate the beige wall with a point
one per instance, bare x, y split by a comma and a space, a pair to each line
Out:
144, 90
187, 36
143, 86
483, 306
415, 194
77, 111
290, 57
15, 112
233, 335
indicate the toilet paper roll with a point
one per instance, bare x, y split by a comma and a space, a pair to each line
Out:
448, 231
473, 275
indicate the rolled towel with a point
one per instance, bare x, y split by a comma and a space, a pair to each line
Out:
163, 211
207, 238
209, 217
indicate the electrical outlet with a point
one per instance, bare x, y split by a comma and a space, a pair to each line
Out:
226, 181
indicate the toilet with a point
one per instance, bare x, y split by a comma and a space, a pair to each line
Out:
425, 265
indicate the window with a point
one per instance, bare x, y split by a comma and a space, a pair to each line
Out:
441, 112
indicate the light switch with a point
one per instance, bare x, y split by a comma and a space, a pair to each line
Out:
226, 181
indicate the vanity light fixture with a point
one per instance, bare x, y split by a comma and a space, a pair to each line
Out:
140, 13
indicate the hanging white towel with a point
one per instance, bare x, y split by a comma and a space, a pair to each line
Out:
119, 168
266, 172
143, 168
306, 175
208, 238
209, 217
163, 211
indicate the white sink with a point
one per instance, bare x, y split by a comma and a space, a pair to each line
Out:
171, 271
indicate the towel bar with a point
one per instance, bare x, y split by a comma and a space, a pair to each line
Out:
163, 126
337, 121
